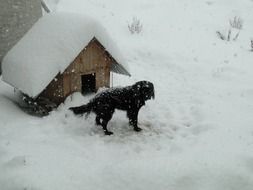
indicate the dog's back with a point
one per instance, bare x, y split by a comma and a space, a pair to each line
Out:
118, 98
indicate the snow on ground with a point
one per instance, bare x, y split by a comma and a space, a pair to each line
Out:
198, 132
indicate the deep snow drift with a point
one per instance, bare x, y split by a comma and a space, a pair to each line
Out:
198, 132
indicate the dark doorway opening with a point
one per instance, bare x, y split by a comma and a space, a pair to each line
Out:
88, 83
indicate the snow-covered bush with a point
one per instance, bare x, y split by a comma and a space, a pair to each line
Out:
251, 45
135, 26
235, 26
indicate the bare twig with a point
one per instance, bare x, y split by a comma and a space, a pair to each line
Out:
236, 36
135, 26
45, 7
236, 25
220, 35
229, 34
236, 22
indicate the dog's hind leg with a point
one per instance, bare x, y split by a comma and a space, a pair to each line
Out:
103, 119
104, 125
103, 115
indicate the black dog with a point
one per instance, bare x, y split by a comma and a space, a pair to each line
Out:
130, 99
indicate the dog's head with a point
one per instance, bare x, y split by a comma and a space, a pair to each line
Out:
145, 89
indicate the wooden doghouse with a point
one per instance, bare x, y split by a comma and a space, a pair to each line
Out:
61, 54
89, 71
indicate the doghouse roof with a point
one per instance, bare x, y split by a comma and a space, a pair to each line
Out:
49, 48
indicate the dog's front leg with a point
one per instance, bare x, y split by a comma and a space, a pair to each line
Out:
133, 119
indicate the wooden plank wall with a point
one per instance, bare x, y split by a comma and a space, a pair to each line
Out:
92, 59
54, 90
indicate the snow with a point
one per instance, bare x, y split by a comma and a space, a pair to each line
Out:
49, 47
197, 133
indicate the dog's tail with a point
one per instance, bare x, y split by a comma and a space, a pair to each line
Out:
87, 108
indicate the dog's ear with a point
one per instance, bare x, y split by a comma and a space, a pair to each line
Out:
147, 90
143, 90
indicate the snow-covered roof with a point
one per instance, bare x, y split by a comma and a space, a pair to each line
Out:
49, 48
